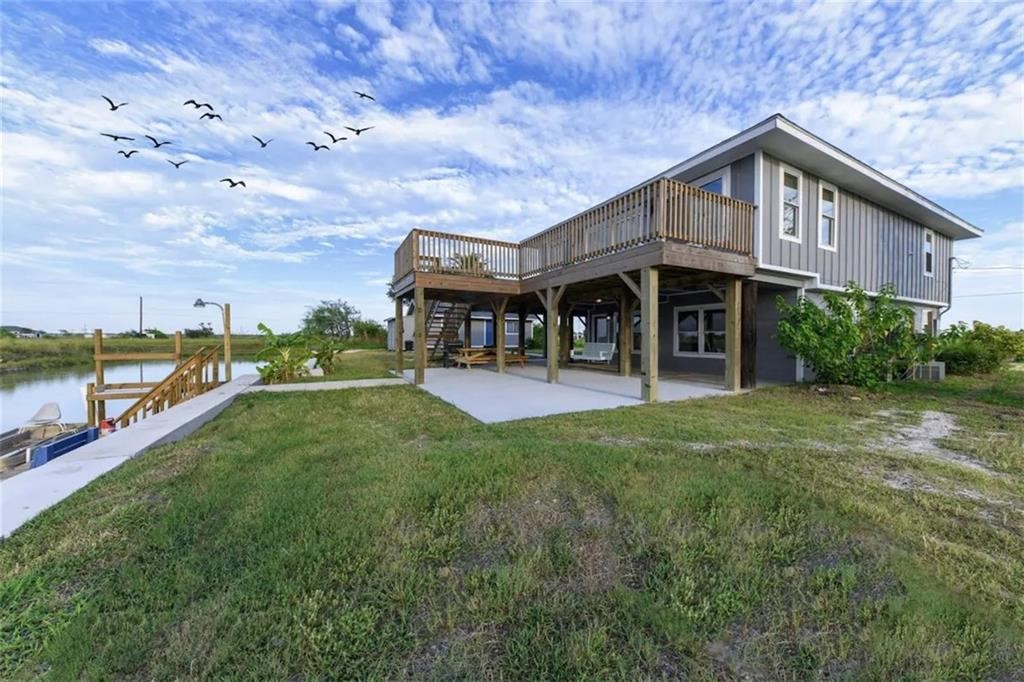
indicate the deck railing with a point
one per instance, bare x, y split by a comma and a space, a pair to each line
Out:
195, 376
659, 210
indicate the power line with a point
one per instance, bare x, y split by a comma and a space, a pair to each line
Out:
1001, 293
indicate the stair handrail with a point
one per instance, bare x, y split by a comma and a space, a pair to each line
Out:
185, 381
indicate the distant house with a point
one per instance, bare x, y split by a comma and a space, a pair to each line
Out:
23, 332
481, 330
683, 271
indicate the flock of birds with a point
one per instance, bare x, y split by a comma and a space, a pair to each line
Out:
211, 115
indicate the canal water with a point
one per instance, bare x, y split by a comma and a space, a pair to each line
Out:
22, 393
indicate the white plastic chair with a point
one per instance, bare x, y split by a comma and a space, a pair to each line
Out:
47, 415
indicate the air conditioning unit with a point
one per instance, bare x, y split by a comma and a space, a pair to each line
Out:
930, 371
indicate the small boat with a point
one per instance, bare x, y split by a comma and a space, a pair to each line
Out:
44, 427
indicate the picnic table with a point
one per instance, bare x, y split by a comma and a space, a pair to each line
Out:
484, 356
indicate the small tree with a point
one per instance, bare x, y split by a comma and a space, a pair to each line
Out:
853, 339
369, 330
204, 330
333, 319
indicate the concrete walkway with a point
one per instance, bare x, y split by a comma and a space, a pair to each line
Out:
326, 385
27, 494
523, 393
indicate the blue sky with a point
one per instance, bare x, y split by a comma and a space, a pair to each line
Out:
496, 120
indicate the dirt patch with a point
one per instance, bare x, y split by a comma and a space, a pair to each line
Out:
577, 531
922, 439
461, 652
623, 441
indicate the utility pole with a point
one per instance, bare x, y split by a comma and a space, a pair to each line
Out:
140, 315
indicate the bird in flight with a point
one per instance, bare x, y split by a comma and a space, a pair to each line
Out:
334, 139
156, 144
177, 164
115, 138
198, 105
211, 116
127, 155
363, 95
359, 131
113, 107
233, 183
317, 147
262, 143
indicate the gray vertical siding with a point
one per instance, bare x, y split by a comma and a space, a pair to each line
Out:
874, 245
741, 178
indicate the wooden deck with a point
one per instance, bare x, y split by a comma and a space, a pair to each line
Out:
661, 223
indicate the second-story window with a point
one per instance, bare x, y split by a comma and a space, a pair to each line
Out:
827, 221
929, 253
791, 191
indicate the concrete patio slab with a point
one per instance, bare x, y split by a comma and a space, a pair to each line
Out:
522, 393
27, 494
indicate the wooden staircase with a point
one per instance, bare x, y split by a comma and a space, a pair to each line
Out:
443, 322
195, 376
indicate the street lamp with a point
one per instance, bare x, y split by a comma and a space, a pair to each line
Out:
225, 311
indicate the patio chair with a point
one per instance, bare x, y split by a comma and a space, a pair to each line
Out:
47, 415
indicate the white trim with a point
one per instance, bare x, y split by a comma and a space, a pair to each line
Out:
701, 353
818, 286
789, 271
724, 174
784, 125
822, 186
925, 243
736, 140
902, 299
839, 155
758, 204
783, 170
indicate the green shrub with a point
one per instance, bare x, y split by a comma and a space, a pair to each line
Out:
980, 349
285, 355
854, 339
326, 353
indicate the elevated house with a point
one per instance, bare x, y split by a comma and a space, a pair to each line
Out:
682, 272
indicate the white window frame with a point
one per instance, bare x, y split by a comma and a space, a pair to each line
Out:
701, 353
724, 173
822, 186
783, 169
512, 327
924, 253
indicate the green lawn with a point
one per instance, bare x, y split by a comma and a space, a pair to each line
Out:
380, 533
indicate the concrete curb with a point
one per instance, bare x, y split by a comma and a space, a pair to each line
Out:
325, 385
27, 494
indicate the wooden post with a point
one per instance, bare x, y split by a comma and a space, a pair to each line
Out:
420, 334
551, 298
399, 338
227, 342
90, 404
498, 310
177, 348
565, 336
733, 340
649, 340
522, 329
625, 335
97, 349
748, 330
